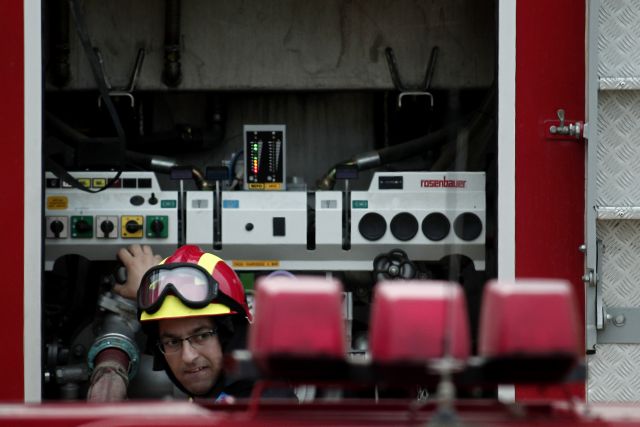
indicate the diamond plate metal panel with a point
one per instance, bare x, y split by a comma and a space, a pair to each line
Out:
619, 38
618, 151
613, 371
613, 374
620, 266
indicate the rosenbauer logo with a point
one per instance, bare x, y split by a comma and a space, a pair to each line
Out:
443, 183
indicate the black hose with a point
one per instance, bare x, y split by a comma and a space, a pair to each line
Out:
172, 72
479, 124
60, 71
414, 146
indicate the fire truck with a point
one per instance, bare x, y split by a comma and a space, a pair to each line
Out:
359, 141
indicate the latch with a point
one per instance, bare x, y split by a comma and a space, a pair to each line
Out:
561, 129
606, 324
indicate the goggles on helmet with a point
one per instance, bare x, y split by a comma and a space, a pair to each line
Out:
192, 284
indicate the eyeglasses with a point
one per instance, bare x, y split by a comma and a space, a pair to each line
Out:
197, 341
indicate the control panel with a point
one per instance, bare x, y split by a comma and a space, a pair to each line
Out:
131, 209
427, 215
264, 147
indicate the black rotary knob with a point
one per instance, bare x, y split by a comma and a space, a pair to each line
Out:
82, 226
157, 226
107, 227
132, 226
372, 226
56, 227
404, 226
436, 226
467, 226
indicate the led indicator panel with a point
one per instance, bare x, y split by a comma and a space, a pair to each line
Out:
264, 147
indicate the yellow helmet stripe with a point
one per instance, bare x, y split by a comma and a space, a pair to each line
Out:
173, 308
208, 262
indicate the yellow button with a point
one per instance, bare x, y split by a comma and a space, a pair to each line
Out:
99, 182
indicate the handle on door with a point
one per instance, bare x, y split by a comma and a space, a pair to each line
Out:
562, 128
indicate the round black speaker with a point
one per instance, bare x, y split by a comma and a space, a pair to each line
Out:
372, 226
467, 226
436, 226
404, 226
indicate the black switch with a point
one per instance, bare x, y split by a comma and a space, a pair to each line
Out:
144, 182
129, 183
278, 226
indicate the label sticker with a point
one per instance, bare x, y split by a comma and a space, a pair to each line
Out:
99, 182
200, 203
255, 263
328, 204
57, 202
231, 204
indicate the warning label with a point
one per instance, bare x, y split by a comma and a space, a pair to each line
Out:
255, 263
57, 202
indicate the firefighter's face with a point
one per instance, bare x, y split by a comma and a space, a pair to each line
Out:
197, 364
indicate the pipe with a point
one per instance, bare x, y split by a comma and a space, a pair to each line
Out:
164, 165
172, 72
147, 161
60, 71
109, 380
474, 126
386, 155
113, 359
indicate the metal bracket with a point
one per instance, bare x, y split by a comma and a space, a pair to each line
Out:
561, 129
611, 325
127, 91
621, 326
600, 308
595, 312
423, 90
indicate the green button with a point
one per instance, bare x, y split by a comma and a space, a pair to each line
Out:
360, 204
168, 203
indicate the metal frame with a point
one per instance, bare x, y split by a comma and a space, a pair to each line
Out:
591, 277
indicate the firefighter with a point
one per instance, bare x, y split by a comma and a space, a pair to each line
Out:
192, 307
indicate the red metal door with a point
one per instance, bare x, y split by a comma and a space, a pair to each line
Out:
12, 196
550, 186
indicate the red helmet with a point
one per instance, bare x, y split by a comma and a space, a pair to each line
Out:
191, 283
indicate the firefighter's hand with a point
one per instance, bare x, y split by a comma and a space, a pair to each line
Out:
137, 260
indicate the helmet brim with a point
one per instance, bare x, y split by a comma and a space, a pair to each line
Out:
173, 308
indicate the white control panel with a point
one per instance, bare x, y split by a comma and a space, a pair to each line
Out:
132, 209
427, 214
